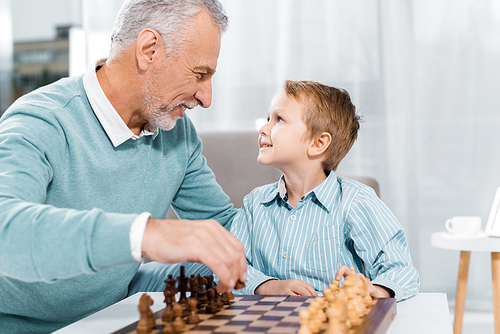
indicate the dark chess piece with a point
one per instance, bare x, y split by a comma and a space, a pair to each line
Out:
218, 300
179, 324
202, 292
212, 305
146, 322
182, 286
225, 298
193, 287
193, 317
210, 281
230, 295
167, 320
169, 293
168, 328
239, 285
171, 281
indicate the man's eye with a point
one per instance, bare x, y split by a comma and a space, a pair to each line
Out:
201, 75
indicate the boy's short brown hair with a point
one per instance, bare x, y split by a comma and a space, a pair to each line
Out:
329, 109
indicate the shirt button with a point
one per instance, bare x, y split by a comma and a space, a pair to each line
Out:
292, 217
284, 254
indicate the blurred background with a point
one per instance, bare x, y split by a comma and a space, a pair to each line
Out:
424, 75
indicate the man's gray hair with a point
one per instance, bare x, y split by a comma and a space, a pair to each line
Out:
171, 18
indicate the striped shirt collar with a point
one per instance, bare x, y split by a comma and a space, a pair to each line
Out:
116, 129
323, 193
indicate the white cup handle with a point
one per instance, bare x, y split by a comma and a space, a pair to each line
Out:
448, 225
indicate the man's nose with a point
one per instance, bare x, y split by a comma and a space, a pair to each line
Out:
204, 93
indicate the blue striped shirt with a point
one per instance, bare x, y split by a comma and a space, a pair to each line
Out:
340, 222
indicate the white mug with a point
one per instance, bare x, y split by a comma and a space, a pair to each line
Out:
464, 225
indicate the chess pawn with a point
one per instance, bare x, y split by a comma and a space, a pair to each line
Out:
225, 298
304, 316
168, 315
218, 300
168, 328
212, 306
314, 320
146, 322
193, 317
179, 324
334, 286
230, 295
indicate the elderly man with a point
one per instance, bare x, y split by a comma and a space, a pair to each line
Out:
90, 165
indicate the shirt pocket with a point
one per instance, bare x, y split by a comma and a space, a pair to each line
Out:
322, 252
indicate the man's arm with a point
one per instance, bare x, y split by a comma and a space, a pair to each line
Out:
41, 242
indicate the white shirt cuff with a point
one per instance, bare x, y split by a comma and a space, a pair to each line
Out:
136, 234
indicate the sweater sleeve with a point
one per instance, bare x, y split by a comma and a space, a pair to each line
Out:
379, 240
40, 242
200, 196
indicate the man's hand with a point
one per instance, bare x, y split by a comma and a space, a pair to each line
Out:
204, 241
292, 287
376, 291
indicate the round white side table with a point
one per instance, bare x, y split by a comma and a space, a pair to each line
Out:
446, 240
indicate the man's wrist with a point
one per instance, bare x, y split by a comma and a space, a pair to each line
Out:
136, 235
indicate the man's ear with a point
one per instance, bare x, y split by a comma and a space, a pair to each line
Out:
320, 144
146, 47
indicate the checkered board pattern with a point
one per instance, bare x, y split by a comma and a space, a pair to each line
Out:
271, 314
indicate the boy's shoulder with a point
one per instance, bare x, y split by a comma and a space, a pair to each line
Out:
355, 188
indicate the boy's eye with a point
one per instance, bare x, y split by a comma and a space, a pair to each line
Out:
279, 119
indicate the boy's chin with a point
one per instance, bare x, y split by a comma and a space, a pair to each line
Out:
262, 161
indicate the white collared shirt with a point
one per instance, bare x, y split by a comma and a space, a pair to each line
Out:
118, 132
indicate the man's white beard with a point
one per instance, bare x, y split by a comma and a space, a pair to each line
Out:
161, 118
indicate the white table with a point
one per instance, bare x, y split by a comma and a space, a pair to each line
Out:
425, 313
446, 240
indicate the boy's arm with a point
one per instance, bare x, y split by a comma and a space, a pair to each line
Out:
379, 240
242, 229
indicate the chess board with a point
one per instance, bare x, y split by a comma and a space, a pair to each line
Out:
272, 314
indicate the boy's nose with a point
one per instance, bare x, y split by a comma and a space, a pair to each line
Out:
264, 129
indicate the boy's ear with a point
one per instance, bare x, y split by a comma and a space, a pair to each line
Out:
146, 47
320, 144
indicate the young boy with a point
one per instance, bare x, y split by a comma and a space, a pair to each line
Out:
308, 228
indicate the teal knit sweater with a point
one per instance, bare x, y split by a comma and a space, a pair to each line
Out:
68, 198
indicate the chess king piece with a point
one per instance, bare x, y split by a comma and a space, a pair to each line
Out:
146, 322
182, 287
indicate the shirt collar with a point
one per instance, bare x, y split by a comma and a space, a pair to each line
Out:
116, 129
323, 193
